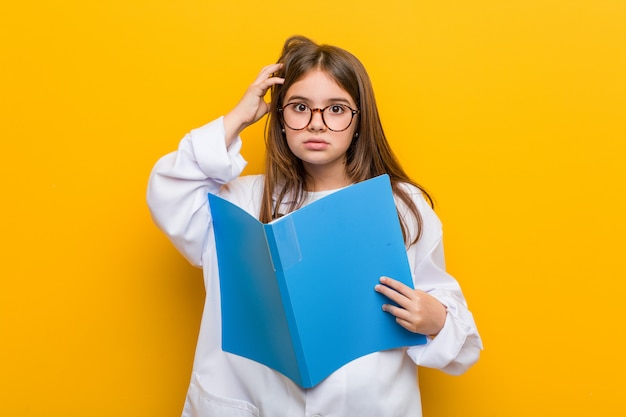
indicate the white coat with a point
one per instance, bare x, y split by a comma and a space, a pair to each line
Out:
382, 384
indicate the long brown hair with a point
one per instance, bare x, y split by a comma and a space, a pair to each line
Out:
369, 154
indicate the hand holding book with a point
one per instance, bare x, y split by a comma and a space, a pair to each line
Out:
415, 310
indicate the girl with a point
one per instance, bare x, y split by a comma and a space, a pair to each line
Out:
323, 134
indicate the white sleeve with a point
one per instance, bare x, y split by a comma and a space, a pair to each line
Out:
458, 344
180, 181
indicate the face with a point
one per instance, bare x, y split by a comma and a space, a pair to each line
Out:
322, 150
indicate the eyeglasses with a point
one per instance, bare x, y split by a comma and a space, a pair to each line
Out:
336, 117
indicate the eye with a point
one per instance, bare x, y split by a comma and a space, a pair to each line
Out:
300, 107
336, 109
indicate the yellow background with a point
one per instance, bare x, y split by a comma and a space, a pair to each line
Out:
512, 113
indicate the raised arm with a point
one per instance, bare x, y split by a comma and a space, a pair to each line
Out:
180, 181
206, 159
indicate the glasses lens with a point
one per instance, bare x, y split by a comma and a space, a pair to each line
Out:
296, 116
337, 117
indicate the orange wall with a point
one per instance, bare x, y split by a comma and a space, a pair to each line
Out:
513, 113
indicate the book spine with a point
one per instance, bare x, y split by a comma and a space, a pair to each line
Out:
282, 242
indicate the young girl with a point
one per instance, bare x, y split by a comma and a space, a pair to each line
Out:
323, 133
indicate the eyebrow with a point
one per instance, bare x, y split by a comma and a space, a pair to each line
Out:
330, 100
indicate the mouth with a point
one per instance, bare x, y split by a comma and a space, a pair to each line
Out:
316, 144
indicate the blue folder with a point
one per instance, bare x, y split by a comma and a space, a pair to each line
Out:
297, 294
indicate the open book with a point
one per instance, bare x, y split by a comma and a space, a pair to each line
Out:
297, 294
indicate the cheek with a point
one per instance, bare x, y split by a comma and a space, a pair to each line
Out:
349, 137
291, 140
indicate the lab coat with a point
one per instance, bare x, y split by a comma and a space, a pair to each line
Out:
382, 384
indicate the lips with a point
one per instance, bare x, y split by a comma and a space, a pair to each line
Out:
316, 144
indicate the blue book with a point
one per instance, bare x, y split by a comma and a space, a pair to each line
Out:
297, 294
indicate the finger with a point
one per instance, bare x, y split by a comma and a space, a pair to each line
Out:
273, 81
407, 325
268, 71
260, 88
265, 81
403, 317
401, 301
398, 312
397, 286
391, 294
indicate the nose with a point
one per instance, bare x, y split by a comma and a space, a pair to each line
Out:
317, 120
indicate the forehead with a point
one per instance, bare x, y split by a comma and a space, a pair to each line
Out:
317, 86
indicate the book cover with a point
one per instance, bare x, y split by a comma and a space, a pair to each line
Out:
297, 294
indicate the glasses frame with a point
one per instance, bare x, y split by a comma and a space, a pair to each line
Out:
321, 112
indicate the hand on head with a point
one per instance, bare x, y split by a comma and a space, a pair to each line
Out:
252, 106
